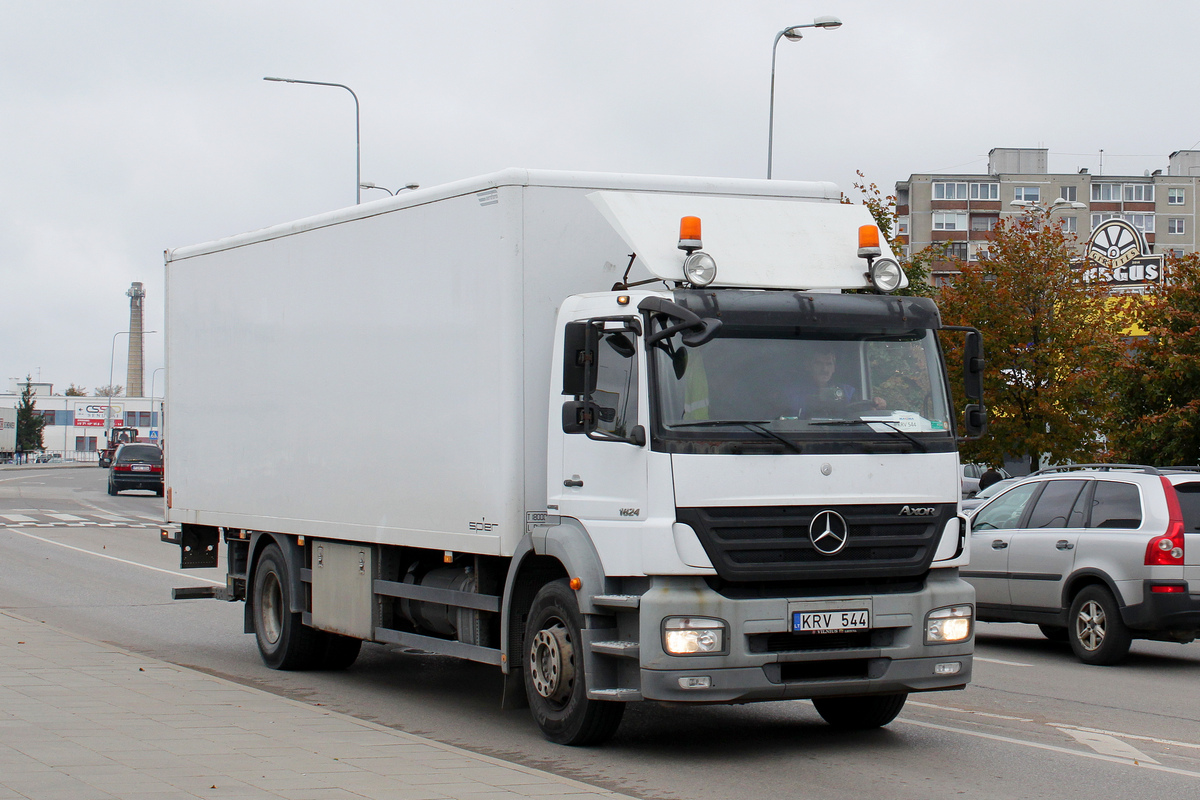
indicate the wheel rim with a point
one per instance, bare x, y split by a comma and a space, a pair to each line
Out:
271, 608
1089, 625
552, 662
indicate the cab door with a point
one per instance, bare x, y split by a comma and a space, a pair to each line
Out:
992, 530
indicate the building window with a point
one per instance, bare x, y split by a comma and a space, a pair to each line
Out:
1143, 222
985, 191
1103, 216
130, 419
1029, 194
1175, 197
901, 226
85, 443
983, 223
902, 197
949, 221
949, 191
1175, 226
957, 250
1070, 225
144, 419
1139, 192
1069, 193
1177, 252
1106, 192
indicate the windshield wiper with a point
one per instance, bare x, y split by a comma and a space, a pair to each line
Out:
756, 425
892, 427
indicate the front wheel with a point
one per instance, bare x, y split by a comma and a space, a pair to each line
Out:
284, 641
860, 713
1098, 634
553, 672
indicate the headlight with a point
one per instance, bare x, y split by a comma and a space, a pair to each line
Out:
699, 269
886, 275
685, 636
950, 624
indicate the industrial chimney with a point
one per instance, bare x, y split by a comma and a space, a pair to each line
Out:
134, 383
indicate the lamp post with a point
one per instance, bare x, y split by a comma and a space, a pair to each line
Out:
792, 34
357, 141
389, 191
111, 358
154, 375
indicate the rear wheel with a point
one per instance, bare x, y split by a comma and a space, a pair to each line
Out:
859, 713
553, 672
340, 651
112, 487
284, 641
1098, 634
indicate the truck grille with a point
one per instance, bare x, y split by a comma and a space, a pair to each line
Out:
771, 543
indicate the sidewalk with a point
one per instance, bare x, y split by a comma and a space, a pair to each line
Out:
82, 720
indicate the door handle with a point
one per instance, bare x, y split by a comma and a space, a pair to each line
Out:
1063, 544
999, 544
570, 482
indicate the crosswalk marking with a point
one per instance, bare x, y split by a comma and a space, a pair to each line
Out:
46, 519
17, 518
66, 517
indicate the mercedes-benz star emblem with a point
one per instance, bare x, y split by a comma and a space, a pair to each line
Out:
828, 532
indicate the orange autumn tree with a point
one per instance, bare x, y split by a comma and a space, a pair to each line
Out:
1049, 342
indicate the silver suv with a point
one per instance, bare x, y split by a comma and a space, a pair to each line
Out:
1096, 554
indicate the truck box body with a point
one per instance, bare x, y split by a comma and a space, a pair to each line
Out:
8, 431
441, 305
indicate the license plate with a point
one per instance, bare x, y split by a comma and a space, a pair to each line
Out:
141, 467
830, 621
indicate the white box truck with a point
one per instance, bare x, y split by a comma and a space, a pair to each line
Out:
616, 460
8, 433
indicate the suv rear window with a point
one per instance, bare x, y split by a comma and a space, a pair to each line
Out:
1116, 505
140, 452
1189, 504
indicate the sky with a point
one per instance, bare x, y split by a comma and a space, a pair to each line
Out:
127, 128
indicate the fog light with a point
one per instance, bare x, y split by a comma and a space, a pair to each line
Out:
947, 668
696, 682
950, 624
684, 636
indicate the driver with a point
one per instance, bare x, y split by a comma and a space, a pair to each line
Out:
821, 392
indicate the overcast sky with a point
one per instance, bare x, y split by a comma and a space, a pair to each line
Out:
132, 127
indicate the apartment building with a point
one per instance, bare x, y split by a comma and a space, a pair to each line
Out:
962, 209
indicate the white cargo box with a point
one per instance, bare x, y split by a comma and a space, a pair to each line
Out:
428, 319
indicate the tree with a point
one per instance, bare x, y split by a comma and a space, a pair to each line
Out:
29, 422
76, 391
109, 391
1156, 384
916, 266
1048, 337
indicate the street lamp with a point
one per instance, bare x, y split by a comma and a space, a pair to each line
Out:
357, 142
792, 34
111, 358
389, 191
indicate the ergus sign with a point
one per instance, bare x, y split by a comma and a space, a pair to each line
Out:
1117, 256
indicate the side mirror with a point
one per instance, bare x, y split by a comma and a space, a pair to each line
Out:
975, 420
580, 416
579, 359
973, 363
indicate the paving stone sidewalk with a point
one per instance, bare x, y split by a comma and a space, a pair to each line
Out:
83, 720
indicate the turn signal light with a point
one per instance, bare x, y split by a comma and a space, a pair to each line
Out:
1167, 550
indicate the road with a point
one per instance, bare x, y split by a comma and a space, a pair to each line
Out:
1034, 723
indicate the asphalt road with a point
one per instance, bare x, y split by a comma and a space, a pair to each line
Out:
1034, 723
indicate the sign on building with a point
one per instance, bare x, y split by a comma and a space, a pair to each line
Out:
93, 415
1117, 256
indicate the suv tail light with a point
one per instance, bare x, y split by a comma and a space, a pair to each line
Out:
1167, 550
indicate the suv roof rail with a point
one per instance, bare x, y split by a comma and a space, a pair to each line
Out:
1180, 468
1102, 468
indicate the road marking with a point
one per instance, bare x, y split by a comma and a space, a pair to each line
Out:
1052, 748
114, 558
1108, 745
66, 517
17, 518
969, 711
1169, 742
1000, 661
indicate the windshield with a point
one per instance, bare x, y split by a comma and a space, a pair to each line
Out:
791, 390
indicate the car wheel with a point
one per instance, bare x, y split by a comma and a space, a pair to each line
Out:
284, 641
1054, 633
112, 488
1098, 634
553, 672
859, 713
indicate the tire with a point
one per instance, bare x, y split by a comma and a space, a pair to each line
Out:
340, 651
112, 488
553, 672
1054, 633
284, 641
1097, 633
860, 713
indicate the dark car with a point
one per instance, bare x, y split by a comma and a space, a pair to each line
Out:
136, 466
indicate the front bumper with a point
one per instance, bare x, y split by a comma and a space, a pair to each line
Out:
765, 662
